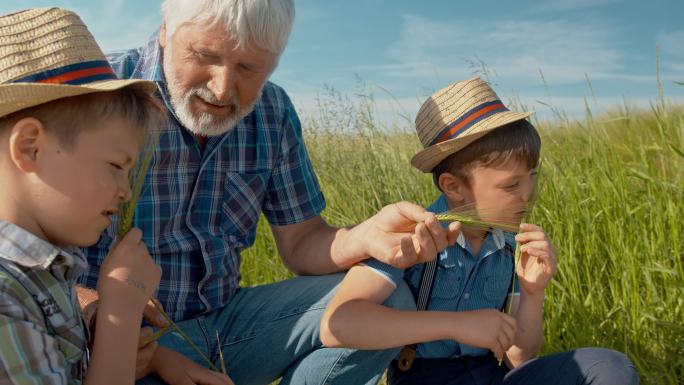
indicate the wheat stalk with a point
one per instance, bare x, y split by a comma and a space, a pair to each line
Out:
479, 218
136, 179
220, 349
125, 222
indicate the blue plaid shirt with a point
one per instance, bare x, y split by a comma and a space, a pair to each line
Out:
463, 282
199, 208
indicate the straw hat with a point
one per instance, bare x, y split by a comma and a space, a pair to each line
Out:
48, 54
456, 116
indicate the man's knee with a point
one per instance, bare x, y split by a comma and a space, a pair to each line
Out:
401, 298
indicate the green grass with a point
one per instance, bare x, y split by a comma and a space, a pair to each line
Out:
611, 200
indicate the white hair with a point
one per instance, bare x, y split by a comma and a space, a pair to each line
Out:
265, 23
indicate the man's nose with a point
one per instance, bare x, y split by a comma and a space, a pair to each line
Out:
222, 82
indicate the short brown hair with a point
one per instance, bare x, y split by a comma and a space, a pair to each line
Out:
67, 117
514, 140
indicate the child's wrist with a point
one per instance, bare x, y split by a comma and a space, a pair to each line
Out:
118, 313
533, 295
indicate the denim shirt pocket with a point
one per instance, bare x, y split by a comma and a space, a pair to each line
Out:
497, 283
448, 285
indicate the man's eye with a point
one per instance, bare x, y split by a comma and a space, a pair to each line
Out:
511, 186
247, 68
116, 166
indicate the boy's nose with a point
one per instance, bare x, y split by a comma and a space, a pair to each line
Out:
125, 192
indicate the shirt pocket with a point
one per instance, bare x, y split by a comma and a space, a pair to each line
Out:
447, 287
243, 195
495, 289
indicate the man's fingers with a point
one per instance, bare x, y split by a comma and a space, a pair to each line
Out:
407, 256
152, 315
411, 211
453, 231
439, 234
206, 377
145, 333
426, 250
145, 354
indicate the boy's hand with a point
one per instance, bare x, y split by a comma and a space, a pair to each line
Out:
404, 234
486, 328
538, 261
128, 276
176, 369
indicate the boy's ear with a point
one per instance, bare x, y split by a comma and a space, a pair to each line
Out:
26, 142
452, 186
162, 35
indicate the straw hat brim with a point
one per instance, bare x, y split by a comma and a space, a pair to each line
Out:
18, 96
431, 156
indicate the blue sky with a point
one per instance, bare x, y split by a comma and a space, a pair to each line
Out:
405, 49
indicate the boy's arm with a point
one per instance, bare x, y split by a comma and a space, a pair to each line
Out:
128, 277
527, 310
356, 318
537, 265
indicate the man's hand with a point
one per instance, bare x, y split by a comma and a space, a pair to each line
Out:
176, 369
538, 261
404, 234
145, 353
486, 328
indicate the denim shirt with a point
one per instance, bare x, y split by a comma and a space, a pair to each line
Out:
463, 282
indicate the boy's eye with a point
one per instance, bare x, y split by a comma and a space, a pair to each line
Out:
116, 166
511, 186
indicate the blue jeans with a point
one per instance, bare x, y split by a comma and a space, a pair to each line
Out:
272, 331
585, 366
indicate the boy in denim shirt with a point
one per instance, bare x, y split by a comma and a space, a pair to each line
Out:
483, 157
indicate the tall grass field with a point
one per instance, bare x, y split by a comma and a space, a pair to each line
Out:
612, 201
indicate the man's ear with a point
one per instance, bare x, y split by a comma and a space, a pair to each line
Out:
26, 143
162, 35
452, 186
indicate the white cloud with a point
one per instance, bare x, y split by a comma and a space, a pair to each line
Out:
565, 51
571, 5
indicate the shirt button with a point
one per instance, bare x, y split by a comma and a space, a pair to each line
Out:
466, 295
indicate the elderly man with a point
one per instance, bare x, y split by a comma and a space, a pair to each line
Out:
233, 148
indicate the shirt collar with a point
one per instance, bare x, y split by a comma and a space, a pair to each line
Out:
23, 248
150, 67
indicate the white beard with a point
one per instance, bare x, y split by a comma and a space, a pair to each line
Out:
205, 124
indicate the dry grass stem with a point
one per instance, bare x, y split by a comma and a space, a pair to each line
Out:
223, 363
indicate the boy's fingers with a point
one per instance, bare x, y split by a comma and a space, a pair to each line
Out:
530, 236
527, 227
133, 237
539, 245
